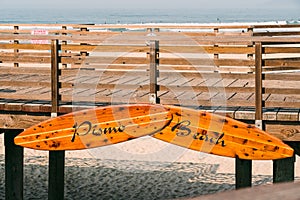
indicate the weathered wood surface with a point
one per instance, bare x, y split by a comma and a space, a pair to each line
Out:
16, 121
95, 127
189, 128
237, 92
116, 68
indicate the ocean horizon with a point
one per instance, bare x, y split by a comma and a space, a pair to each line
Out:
139, 16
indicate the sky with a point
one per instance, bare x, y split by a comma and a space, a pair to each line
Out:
152, 4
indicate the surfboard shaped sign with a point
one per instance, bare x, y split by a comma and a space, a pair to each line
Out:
189, 128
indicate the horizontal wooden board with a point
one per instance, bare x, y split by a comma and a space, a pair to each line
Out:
25, 59
284, 132
105, 48
210, 89
103, 60
25, 70
26, 46
19, 121
207, 49
212, 62
272, 50
277, 33
283, 62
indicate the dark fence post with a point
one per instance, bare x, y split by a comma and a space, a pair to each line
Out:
56, 158
154, 61
14, 164
243, 173
56, 175
284, 170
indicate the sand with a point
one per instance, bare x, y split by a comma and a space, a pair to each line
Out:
139, 169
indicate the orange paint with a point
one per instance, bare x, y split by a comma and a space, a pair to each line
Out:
193, 129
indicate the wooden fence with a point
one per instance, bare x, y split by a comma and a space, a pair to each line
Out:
247, 72
203, 66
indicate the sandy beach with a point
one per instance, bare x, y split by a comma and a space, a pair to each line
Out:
139, 169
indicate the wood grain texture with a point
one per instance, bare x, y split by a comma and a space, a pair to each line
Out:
95, 127
210, 133
189, 128
15, 121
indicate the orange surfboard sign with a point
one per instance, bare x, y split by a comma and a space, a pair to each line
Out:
189, 128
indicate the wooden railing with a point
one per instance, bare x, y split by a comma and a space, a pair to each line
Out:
245, 77
193, 69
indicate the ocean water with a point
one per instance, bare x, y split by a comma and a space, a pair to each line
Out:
125, 16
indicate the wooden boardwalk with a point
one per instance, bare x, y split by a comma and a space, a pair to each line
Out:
32, 93
247, 72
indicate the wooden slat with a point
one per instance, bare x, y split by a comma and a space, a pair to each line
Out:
24, 70
276, 26
103, 60
212, 62
13, 121
25, 59
25, 96
285, 131
140, 36
104, 99
26, 46
288, 115
276, 33
281, 76
207, 75
207, 88
271, 50
106, 86
25, 84
207, 49
287, 91
105, 48
278, 104
29, 54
